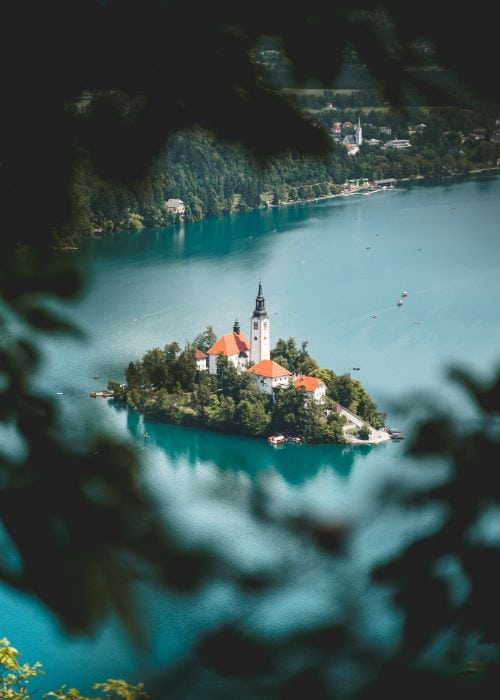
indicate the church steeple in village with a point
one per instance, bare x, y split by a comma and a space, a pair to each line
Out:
260, 337
358, 133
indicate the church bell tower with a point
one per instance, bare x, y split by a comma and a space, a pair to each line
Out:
260, 338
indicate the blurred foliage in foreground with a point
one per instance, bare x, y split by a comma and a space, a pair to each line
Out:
80, 526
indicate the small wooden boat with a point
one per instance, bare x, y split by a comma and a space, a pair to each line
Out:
276, 439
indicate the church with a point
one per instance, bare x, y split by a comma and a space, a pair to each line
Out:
254, 356
236, 347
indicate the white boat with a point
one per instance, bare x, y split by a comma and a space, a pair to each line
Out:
400, 302
404, 294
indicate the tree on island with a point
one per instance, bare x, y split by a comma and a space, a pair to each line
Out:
206, 339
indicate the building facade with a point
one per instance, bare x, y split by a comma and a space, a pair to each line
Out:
175, 206
269, 375
314, 387
201, 360
234, 346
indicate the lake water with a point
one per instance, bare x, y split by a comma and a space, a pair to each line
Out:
332, 274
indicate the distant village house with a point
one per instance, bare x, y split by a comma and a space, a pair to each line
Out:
397, 143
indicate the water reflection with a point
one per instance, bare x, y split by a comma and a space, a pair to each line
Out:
297, 464
212, 238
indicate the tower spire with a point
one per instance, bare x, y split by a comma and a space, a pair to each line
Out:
260, 308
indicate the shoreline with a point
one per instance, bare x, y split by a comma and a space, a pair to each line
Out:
312, 200
377, 435
371, 189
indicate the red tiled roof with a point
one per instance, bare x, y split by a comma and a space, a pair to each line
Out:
269, 368
199, 354
230, 344
309, 383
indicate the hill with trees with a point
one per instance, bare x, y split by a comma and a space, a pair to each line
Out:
213, 178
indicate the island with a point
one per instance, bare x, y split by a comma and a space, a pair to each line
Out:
242, 386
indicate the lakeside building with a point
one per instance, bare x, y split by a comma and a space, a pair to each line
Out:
176, 206
397, 143
386, 182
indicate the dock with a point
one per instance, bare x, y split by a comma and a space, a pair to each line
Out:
103, 393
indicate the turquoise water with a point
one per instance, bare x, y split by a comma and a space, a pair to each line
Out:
327, 270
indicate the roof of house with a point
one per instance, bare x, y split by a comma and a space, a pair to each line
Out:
269, 368
230, 344
174, 202
309, 383
199, 354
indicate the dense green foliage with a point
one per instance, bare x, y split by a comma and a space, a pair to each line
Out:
166, 385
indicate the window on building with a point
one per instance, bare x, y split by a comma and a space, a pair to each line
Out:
265, 325
255, 325
255, 337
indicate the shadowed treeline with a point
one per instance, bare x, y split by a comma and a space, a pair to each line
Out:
76, 515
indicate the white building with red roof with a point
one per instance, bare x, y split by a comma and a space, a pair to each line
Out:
268, 375
315, 388
201, 360
234, 346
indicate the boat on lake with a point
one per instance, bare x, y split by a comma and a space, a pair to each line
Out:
104, 394
404, 294
276, 439
400, 302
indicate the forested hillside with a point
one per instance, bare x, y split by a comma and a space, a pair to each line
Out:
212, 177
